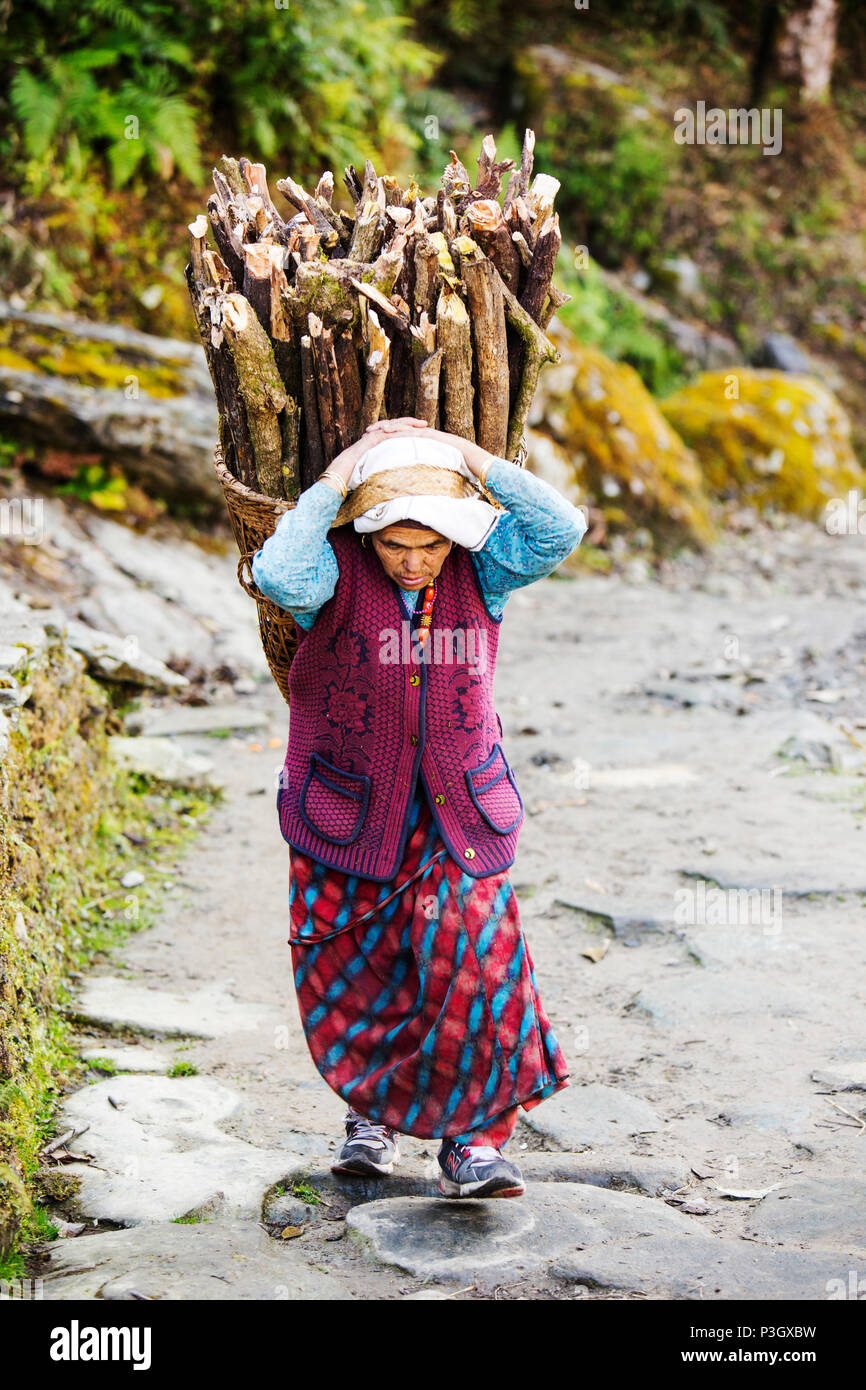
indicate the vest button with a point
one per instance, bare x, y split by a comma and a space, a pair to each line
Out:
414, 680
439, 798
469, 854
413, 739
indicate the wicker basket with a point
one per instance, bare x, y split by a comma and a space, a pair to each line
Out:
254, 517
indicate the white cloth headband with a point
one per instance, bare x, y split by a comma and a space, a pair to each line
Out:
468, 521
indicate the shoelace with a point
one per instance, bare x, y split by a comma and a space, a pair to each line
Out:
482, 1151
368, 1132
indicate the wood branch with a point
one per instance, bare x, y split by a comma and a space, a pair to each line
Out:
325, 187
350, 378
234, 434
228, 247
455, 180
539, 202
255, 181
370, 191
257, 279
378, 360
261, 388
524, 250
367, 234
313, 456
489, 229
555, 300
280, 327
197, 244
342, 431
427, 371
353, 185
320, 344
382, 302
511, 193
301, 200
484, 289
527, 158
489, 170
538, 349
547, 245
426, 289
454, 336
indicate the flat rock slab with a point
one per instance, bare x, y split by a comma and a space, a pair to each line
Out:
692, 996
159, 1154
621, 1171
225, 1260
126, 1006
845, 874
815, 1211
780, 1117
447, 1239
194, 719
128, 1057
702, 1267
845, 1076
583, 1117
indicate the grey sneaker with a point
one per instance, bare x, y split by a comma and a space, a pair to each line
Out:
369, 1151
479, 1171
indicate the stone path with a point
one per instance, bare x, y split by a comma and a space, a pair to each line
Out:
695, 907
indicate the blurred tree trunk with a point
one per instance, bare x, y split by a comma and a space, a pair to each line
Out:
797, 42
807, 46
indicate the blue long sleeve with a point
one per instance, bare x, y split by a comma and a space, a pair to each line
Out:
296, 566
540, 529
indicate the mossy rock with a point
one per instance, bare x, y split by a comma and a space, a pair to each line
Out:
624, 456
773, 439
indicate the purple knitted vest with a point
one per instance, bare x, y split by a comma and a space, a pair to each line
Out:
366, 719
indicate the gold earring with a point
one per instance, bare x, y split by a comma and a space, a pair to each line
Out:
364, 540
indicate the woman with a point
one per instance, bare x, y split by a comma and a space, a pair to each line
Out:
413, 977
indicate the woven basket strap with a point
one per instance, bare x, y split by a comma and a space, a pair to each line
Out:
249, 586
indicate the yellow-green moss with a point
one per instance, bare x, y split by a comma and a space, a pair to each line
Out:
90, 363
774, 439
63, 808
625, 456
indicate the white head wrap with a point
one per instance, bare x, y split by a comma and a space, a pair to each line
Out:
468, 521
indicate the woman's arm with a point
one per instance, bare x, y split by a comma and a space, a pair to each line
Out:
296, 566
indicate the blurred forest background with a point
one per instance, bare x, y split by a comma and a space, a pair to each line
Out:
683, 260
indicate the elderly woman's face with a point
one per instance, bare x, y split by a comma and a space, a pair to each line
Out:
411, 555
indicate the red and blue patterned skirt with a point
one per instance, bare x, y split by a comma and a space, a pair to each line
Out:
418, 997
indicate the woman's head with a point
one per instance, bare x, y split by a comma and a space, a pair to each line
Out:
411, 553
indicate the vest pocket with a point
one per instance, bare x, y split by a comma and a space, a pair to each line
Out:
333, 803
494, 792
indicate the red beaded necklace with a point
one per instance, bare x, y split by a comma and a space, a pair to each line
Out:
426, 614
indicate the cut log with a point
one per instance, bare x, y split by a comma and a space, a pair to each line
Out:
320, 343
540, 274
261, 388
378, 360
313, 455
484, 291
454, 336
489, 229
350, 377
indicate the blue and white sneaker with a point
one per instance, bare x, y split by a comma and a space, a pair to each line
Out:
477, 1171
369, 1150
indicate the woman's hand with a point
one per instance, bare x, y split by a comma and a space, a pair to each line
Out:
343, 464
474, 456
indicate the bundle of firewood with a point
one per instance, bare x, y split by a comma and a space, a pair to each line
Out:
317, 326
